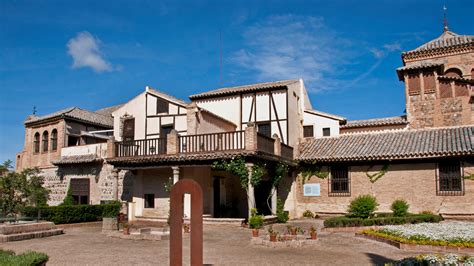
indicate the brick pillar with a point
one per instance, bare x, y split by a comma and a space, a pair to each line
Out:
172, 142
251, 137
111, 148
115, 173
277, 149
250, 191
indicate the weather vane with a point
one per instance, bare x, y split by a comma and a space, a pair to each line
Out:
445, 9
34, 110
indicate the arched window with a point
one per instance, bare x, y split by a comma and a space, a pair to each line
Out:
45, 141
54, 140
36, 143
453, 72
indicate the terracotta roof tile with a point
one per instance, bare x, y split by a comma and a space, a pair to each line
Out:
77, 159
387, 121
77, 114
412, 144
447, 39
246, 88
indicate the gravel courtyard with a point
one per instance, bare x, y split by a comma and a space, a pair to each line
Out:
223, 245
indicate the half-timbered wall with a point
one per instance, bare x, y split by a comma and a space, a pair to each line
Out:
148, 120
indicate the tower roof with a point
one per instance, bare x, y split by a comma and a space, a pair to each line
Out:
445, 40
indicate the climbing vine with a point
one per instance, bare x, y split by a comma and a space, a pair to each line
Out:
469, 176
309, 170
237, 167
281, 170
374, 177
258, 170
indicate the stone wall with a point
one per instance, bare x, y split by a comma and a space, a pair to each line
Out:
57, 180
414, 182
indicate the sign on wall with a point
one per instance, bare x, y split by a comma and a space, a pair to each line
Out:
312, 190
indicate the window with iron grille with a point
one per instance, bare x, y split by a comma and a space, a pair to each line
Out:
45, 141
450, 181
326, 132
162, 106
308, 131
36, 143
339, 181
149, 200
264, 129
80, 190
54, 140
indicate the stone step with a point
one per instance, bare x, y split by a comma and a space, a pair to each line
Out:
30, 235
8, 229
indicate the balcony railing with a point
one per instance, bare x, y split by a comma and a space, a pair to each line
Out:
143, 147
286, 151
225, 141
265, 143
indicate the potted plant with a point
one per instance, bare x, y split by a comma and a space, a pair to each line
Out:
186, 227
273, 234
126, 228
255, 222
313, 233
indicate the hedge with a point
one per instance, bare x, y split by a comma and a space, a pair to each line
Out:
344, 221
8, 257
73, 213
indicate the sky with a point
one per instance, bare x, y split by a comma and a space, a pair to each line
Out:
94, 54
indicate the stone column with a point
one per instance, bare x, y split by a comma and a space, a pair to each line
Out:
277, 145
115, 173
274, 200
250, 191
175, 174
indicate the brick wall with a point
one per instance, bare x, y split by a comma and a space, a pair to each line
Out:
416, 183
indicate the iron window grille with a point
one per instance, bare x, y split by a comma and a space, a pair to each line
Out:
449, 178
326, 132
339, 181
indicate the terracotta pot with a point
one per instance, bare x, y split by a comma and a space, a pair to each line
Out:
255, 232
186, 229
314, 236
272, 238
126, 231
293, 231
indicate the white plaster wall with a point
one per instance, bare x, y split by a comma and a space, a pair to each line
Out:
97, 149
320, 122
226, 107
135, 108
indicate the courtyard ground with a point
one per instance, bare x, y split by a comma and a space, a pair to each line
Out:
223, 245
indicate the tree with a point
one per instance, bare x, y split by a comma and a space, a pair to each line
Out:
19, 189
8, 164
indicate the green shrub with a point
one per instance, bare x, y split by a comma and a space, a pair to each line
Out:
66, 214
363, 206
399, 208
282, 215
27, 258
344, 221
308, 214
68, 200
255, 221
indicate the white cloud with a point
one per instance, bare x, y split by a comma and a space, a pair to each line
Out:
85, 52
288, 47
377, 52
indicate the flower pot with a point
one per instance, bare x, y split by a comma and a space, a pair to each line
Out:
126, 230
187, 229
254, 232
273, 238
314, 235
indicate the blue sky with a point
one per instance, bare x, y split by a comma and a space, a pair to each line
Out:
93, 54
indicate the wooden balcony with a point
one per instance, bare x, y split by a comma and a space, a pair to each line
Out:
245, 140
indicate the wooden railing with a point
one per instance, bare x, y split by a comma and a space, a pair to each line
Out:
265, 143
142, 147
286, 151
224, 141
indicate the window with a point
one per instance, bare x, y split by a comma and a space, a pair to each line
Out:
308, 131
128, 129
453, 72
339, 183
54, 140
162, 106
450, 181
326, 132
165, 130
36, 143
265, 129
80, 189
149, 200
72, 141
45, 141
